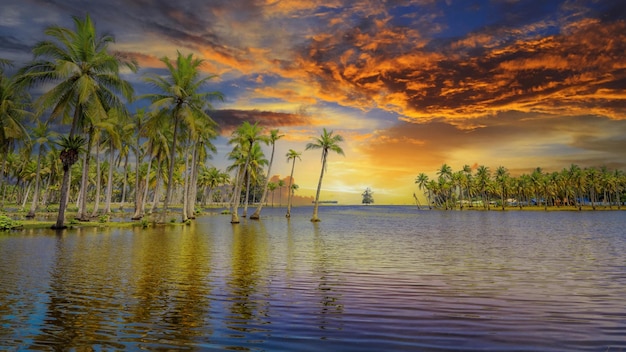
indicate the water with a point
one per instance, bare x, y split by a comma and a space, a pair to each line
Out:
364, 279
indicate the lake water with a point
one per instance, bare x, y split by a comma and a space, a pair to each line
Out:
364, 279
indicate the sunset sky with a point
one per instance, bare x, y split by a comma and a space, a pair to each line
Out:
410, 85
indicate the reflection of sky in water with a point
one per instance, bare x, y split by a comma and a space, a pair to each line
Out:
365, 278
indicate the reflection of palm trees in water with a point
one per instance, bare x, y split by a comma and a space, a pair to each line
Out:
78, 308
248, 306
330, 306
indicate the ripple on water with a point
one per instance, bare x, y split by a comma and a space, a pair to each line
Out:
364, 279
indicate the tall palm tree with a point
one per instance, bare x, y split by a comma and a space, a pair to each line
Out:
244, 138
14, 103
422, 181
71, 147
179, 94
42, 136
291, 155
502, 176
272, 138
483, 176
326, 142
256, 161
88, 77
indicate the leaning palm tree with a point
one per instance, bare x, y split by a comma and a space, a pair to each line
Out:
71, 147
88, 77
273, 137
179, 94
326, 142
422, 181
291, 155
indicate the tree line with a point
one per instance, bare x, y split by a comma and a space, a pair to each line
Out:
169, 142
571, 187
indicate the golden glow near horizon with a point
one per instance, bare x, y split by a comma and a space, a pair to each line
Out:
408, 86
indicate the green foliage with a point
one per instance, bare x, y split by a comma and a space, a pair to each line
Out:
144, 223
103, 218
6, 223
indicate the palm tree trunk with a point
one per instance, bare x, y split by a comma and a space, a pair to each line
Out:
186, 184
315, 217
125, 184
109, 195
257, 212
138, 209
247, 200
98, 180
293, 166
82, 215
157, 190
33, 205
172, 160
145, 194
65, 185
236, 194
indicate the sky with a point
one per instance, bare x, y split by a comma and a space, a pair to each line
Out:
409, 85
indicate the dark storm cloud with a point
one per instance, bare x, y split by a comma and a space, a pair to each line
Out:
228, 120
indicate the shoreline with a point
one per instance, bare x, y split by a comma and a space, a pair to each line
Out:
16, 220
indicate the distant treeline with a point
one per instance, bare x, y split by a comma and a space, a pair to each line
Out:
571, 187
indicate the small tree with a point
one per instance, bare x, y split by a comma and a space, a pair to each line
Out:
368, 196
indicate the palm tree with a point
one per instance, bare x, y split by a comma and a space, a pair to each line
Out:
256, 161
280, 184
273, 137
179, 95
326, 142
13, 110
42, 136
71, 147
422, 181
88, 77
502, 175
244, 138
272, 187
482, 178
291, 155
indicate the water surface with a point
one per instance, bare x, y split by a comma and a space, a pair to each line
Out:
364, 279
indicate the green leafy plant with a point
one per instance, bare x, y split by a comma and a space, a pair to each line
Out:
6, 223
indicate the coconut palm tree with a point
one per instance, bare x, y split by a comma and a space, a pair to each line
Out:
502, 176
42, 136
14, 103
483, 176
291, 155
272, 138
256, 161
244, 138
180, 96
71, 147
326, 142
422, 181
88, 77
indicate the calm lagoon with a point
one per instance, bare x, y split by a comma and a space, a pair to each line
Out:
367, 278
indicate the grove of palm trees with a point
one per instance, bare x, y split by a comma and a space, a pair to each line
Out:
571, 188
77, 147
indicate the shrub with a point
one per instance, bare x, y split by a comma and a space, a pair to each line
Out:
6, 223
